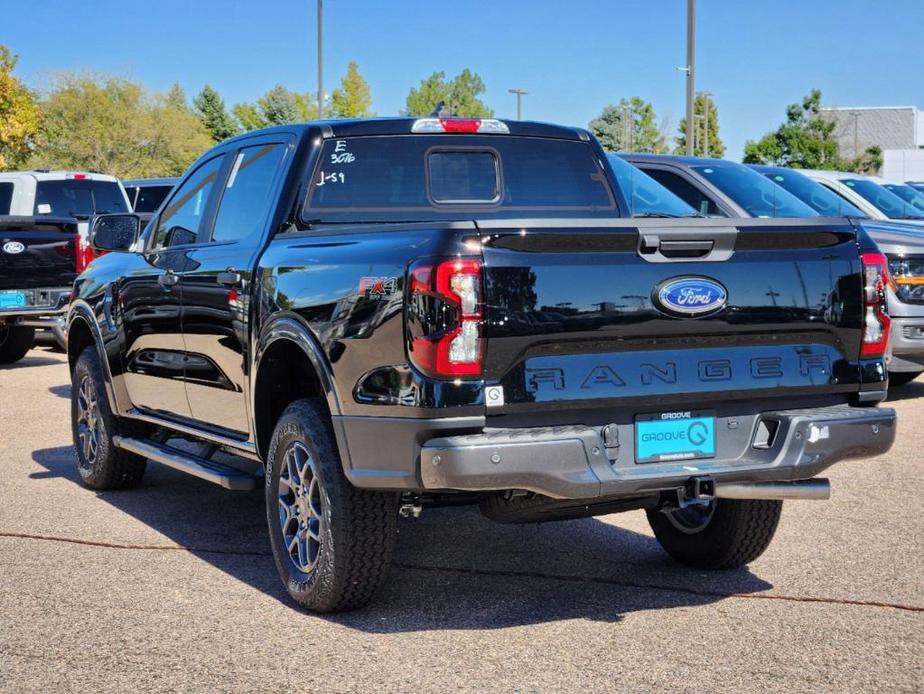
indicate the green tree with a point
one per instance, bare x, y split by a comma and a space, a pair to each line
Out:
868, 163
703, 105
249, 116
110, 124
210, 108
459, 95
629, 126
805, 141
19, 114
352, 99
279, 106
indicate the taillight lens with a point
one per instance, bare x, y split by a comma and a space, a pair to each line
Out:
445, 318
876, 322
85, 254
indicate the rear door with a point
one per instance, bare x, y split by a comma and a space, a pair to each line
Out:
217, 285
150, 296
656, 313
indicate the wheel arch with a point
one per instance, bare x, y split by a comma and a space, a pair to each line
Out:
289, 364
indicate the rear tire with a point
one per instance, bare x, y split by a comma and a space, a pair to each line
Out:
332, 542
100, 463
727, 534
900, 378
15, 341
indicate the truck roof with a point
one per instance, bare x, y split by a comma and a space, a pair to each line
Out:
57, 175
358, 127
677, 159
141, 182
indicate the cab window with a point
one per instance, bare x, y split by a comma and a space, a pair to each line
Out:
182, 219
247, 196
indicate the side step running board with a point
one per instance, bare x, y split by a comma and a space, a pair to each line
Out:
223, 475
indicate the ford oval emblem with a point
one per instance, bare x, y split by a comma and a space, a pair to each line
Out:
13, 247
690, 296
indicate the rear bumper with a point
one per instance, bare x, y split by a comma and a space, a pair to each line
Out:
575, 463
45, 308
907, 344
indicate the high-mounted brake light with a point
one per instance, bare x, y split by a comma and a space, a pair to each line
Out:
876, 322
78, 177
482, 126
445, 318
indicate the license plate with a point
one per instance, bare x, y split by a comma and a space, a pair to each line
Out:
12, 299
674, 436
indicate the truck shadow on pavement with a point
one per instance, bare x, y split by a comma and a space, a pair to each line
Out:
452, 569
910, 391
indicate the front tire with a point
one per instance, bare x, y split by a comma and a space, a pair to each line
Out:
15, 341
332, 542
100, 463
726, 534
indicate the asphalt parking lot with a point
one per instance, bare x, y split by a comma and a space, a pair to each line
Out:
171, 586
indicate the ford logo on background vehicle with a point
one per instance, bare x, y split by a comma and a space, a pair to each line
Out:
690, 296
13, 247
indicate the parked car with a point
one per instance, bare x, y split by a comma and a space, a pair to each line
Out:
875, 201
909, 194
39, 260
328, 302
58, 195
146, 194
647, 197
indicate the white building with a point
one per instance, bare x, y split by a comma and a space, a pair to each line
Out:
897, 130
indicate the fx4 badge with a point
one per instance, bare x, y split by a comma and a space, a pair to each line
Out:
377, 287
689, 296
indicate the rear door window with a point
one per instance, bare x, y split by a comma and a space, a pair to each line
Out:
686, 191
248, 195
412, 177
6, 197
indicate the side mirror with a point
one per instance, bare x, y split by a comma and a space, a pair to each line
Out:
114, 232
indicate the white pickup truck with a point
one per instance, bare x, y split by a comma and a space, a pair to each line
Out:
52, 197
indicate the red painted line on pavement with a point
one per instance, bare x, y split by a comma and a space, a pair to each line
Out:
493, 572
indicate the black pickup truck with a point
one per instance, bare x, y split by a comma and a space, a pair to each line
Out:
370, 317
39, 261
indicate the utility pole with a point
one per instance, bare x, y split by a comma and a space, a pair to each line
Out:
520, 94
691, 60
320, 60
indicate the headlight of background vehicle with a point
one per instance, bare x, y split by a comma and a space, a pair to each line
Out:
908, 278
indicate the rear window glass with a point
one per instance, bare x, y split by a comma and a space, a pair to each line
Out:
70, 198
6, 197
460, 177
823, 200
885, 201
413, 177
150, 197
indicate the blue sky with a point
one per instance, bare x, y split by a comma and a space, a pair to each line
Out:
573, 57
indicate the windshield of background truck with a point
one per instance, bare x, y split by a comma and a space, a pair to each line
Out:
646, 196
758, 196
884, 200
823, 200
907, 193
414, 177
72, 198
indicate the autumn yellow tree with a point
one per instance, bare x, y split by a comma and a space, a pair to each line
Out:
19, 114
113, 125
353, 98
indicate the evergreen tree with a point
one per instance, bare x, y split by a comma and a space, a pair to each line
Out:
629, 126
703, 136
210, 108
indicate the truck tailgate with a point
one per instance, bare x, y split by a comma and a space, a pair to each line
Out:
37, 252
663, 311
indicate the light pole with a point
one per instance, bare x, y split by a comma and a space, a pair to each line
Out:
520, 94
700, 118
691, 60
320, 60
630, 123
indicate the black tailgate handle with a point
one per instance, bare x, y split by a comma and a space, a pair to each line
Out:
673, 245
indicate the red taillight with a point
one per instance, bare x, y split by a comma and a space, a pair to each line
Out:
876, 322
445, 318
84, 254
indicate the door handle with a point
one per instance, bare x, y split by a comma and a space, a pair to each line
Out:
229, 278
168, 279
